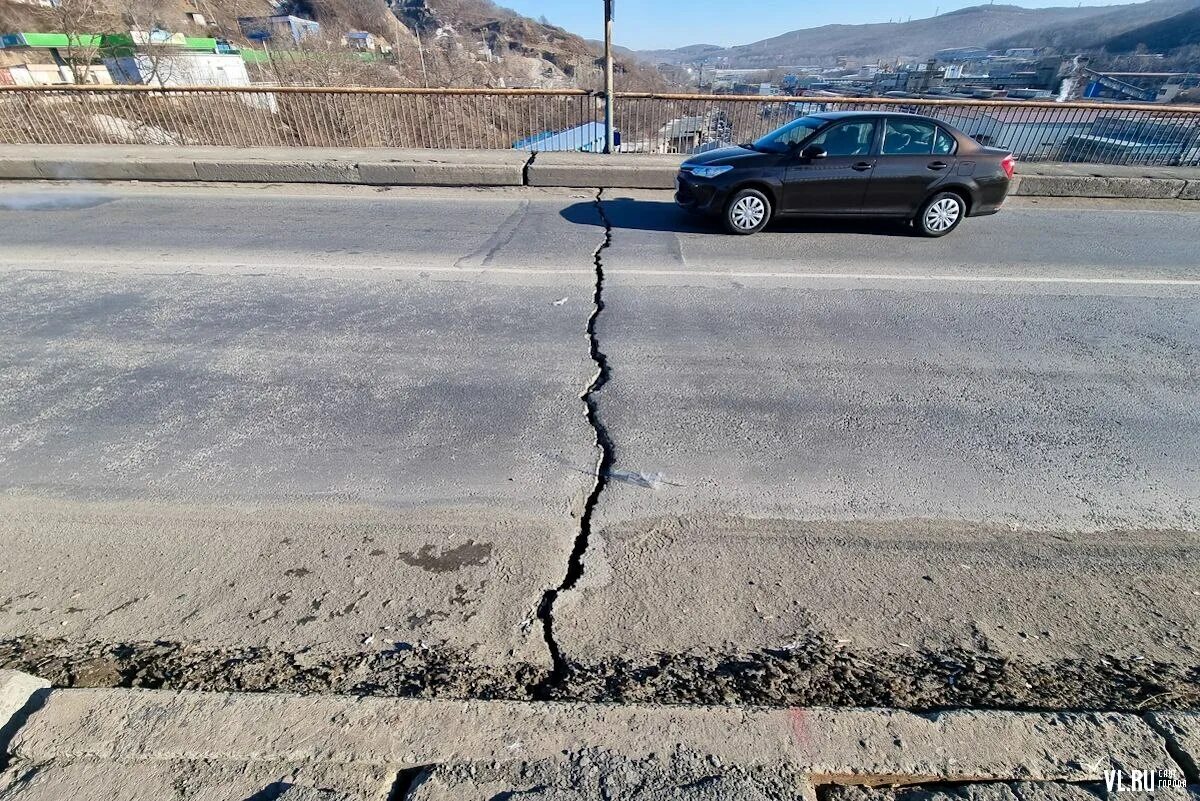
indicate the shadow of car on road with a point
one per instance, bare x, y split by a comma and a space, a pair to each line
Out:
658, 215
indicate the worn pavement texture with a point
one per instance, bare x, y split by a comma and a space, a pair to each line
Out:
337, 440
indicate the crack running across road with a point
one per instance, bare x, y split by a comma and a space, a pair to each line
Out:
604, 462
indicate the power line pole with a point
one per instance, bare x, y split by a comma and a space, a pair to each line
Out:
608, 77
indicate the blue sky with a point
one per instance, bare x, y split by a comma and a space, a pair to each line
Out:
653, 24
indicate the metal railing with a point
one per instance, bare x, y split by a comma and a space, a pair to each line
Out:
287, 116
533, 119
1107, 133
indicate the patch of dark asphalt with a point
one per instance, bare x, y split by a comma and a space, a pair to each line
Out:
815, 672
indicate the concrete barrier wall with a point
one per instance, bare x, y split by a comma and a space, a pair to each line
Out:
389, 167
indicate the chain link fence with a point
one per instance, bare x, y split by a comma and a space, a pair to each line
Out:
541, 120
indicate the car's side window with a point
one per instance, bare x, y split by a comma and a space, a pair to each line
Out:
908, 138
847, 138
943, 143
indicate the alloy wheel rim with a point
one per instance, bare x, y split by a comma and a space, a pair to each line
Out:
942, 214
748, 212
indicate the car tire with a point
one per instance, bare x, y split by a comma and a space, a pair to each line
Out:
941, 214
747, 212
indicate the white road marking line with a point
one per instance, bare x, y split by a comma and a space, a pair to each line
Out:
1023, 279
171, 268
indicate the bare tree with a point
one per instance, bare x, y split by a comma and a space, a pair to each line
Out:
322, 60
83, 21
153, 52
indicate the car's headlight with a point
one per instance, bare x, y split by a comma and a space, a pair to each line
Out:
710, 172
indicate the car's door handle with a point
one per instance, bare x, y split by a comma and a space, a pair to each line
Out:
862, 165
938, 165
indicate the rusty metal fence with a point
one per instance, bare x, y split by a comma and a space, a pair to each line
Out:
532, 119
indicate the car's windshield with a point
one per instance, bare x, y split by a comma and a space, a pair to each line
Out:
791, 134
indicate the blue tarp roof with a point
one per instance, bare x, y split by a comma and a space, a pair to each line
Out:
589, 137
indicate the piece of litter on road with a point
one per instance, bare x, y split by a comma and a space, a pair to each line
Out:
560, 301
370, 639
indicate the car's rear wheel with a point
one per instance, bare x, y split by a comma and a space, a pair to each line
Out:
747, 212
941, 214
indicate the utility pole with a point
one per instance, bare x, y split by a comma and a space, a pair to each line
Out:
608, 77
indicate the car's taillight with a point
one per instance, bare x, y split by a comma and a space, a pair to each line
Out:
1008, 163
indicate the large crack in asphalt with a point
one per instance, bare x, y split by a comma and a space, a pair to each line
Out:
560, 668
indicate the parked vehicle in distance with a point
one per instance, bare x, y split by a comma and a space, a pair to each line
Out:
846, 164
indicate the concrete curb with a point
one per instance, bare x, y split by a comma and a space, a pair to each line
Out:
604, 172
866, 746
1094, 186
137, 744
488, 168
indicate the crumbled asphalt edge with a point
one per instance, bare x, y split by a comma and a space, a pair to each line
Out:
812, 672
551, 685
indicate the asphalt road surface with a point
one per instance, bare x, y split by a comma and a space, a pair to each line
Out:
312, 439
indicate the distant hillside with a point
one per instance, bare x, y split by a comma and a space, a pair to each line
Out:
435, 42
1174, 32
984, 26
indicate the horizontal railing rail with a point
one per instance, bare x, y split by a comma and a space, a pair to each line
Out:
559, 119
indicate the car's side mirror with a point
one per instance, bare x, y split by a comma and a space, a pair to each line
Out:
813, 152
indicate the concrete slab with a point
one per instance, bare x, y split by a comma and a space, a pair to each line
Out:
16, 690
1182, 731
283, 171
430, 174
246, 465
864, 745
86, 777
1091, 186
597, 775
107, 169
887, 489
14, 167
1191, 190
598, 170
1103, 170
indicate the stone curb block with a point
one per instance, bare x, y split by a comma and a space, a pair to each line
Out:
440, 174
870, 746
1191, 190
307, 172
1092, 186
113, 170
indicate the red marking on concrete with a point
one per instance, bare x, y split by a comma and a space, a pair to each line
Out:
798, 718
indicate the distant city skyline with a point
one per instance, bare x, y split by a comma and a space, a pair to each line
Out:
665, 24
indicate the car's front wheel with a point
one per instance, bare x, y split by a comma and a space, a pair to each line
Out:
747, 212
941, 214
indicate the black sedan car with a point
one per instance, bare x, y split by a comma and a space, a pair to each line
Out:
850, 163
